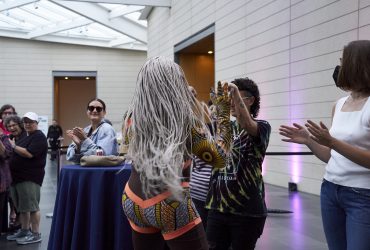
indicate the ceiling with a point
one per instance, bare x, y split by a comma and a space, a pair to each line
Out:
105, 23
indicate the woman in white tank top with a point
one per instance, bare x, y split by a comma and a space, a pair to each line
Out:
345, 147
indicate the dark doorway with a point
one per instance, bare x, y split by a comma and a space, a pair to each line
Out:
198, 62
71, 94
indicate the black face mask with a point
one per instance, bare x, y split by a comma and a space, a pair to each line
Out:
335, 74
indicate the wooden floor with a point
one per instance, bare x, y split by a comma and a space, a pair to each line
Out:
300, 230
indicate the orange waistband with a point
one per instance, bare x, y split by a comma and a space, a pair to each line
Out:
151, 201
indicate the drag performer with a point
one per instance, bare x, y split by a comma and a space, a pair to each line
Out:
167, 127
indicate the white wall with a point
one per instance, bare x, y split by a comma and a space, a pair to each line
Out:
289, 48
26, 74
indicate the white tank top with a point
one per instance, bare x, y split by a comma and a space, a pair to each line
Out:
353, 128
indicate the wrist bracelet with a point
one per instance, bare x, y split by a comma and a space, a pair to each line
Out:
14, 146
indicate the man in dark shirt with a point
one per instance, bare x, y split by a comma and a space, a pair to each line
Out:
28, 170
236, 199
55, 133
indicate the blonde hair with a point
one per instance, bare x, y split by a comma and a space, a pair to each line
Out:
163, 113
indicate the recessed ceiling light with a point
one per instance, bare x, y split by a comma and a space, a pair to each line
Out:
66, 77
87, 78
210, 52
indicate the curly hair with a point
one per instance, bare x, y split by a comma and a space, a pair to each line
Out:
13, 118
247, 84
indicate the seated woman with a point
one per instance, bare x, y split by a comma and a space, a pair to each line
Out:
99, 135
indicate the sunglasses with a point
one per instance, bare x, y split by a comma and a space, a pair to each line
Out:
92, 108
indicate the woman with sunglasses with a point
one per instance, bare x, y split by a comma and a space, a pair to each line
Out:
98, 136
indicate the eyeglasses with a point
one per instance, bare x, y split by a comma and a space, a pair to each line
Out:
92, 108
8, 113
28, 121
246, 97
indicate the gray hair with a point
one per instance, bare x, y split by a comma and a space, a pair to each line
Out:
13, 118
163, 113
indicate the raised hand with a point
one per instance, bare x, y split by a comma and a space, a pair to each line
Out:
319, 133
295, 134
79, 133
233, 89
221, 101
73, 137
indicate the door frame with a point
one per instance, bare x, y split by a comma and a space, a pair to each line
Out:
62, 73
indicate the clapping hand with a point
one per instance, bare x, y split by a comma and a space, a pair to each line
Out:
74, 138
79, 132
319, 133
296, 134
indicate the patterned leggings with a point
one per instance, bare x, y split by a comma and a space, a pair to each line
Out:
160, 213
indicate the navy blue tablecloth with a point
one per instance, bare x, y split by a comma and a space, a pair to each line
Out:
88, 212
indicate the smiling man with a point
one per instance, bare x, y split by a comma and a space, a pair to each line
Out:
28, 170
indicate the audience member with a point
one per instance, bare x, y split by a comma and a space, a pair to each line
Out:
345, 190
28, 170
99, 135
199, 178
54, 136
5, 179
236, 200
5, 111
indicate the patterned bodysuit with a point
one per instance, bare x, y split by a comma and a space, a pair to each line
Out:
162, 213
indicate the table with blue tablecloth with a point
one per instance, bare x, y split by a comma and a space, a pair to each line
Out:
88, 212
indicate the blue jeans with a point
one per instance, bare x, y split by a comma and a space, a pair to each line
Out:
346, 216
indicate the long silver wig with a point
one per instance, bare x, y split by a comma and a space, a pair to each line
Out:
163, 113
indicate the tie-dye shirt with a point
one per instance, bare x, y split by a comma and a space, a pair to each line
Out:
239, 188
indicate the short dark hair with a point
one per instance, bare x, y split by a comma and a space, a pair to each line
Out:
5, 107
354, 75
246, 84
98, 100
13, 118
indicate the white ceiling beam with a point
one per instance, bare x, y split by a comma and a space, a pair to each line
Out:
132, 46
154, 3
145, 13
13, 34
14, 4
60, 27
13, 21
120, 41
100, 15
124, 11
72, 40
88, 42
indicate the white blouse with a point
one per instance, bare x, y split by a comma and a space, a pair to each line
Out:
353, 128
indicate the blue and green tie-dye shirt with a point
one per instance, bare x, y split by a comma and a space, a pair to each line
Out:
239, 188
